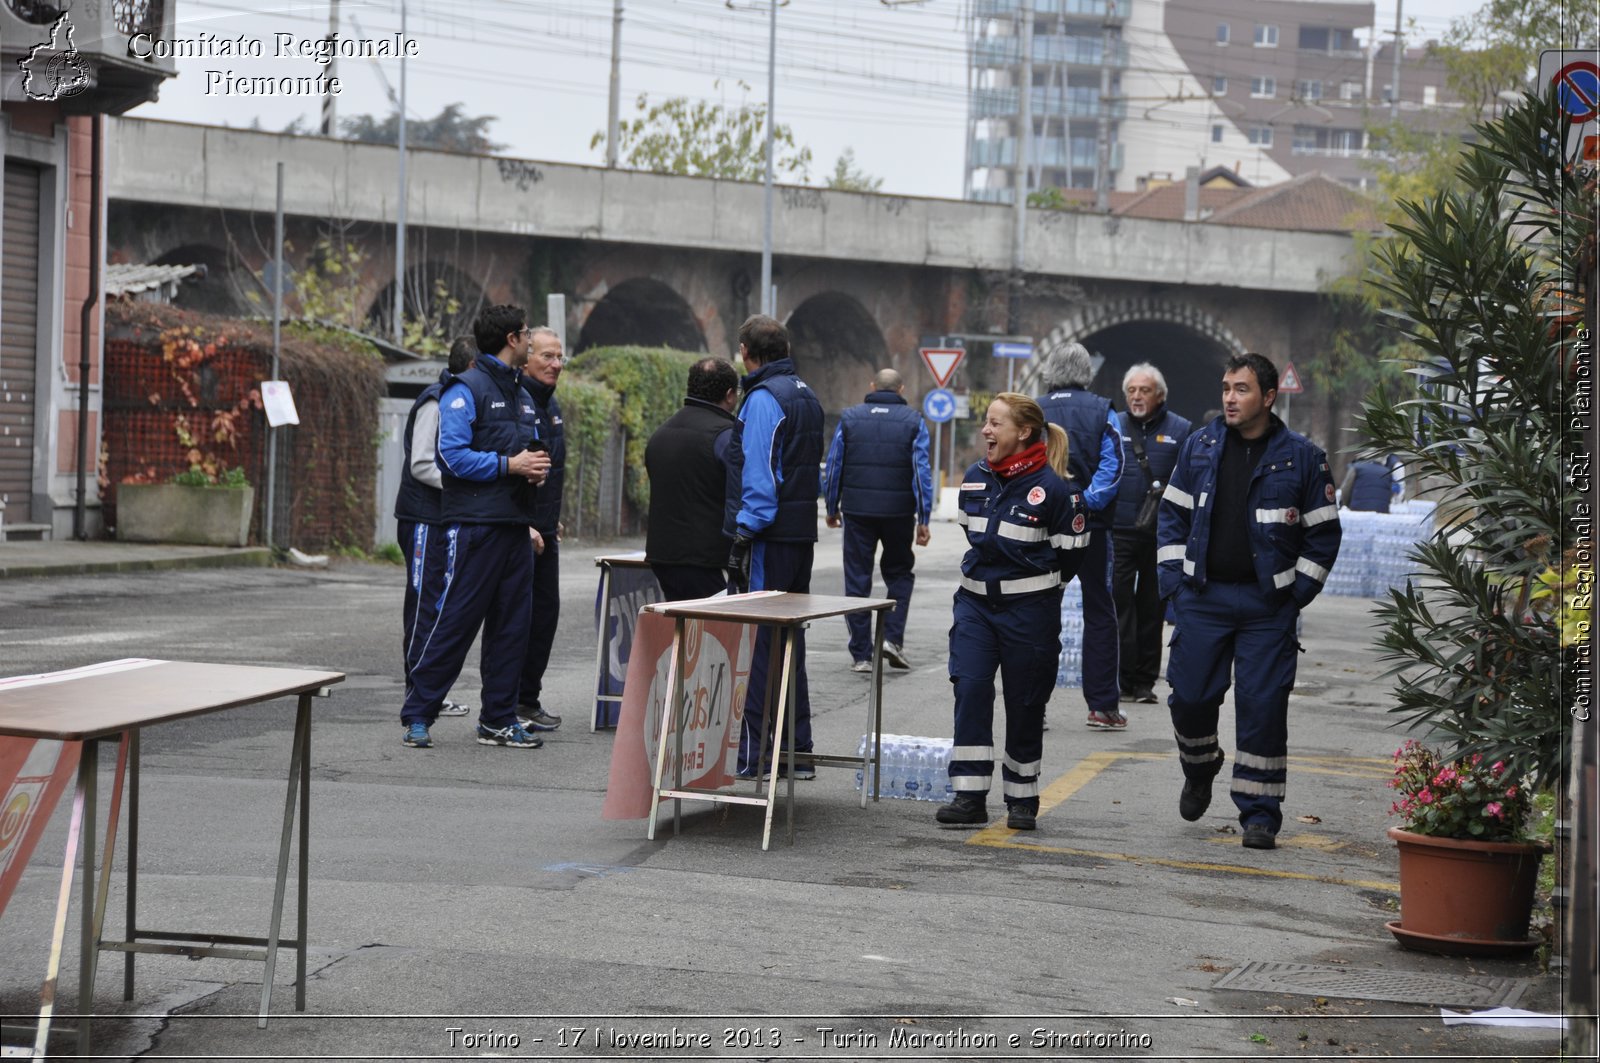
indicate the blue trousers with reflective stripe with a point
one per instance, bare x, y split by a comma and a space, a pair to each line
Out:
1021, 638
425, 565
861, 538
776, 567
488, 582
1101, 639
1233, 629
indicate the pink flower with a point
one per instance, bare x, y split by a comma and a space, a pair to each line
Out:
1426, 796
1493, 810
1511, 791
1445, 777
1497, 767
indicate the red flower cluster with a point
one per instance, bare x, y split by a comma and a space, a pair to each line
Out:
1456, 799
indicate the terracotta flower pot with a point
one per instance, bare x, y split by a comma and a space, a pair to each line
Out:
1462, 896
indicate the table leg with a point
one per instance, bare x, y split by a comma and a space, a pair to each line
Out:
674, 695
774, 677
777, 735
600, 649
875, 709
88, 780
58, 938
108, 850
302, 725
130, 922
791, 665
680, 654
301, 897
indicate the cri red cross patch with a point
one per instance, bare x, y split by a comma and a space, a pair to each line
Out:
1035, 496
1078, 524
1292, 516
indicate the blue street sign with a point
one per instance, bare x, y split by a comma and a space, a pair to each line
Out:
939, 405
1013, 350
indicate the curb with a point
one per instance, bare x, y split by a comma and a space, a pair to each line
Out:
259, 557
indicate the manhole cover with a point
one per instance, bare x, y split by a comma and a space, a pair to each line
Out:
1407, 987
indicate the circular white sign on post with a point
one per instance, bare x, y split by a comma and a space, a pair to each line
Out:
939, 405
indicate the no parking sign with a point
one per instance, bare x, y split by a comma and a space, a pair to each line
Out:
1575, 76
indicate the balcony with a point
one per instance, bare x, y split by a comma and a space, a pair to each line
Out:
1047, 102
1094, 9
97, 71
1048, 50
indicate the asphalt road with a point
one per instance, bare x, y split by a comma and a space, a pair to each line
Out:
469, 901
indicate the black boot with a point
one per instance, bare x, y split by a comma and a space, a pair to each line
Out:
1195, 797
967, 810
1022, 817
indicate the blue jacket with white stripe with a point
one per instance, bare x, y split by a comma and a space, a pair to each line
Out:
1294, 523
1026, 534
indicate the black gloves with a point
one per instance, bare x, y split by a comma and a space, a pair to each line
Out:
739, 565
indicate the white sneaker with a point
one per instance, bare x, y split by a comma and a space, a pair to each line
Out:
861, 666
895, 655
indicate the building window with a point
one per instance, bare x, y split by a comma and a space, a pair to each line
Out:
1261, 136
1266, 36
1216, 134
1222, 33
1350, 90
1305, 139
1430, 95
1219, 86
1308, 90
1263, 87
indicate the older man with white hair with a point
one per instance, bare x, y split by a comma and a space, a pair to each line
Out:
1151, 438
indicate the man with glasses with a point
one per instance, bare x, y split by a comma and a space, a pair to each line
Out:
491, 460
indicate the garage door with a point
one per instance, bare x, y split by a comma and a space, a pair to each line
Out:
19, 334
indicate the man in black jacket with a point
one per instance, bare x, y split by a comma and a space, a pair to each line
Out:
539, 376
687, 461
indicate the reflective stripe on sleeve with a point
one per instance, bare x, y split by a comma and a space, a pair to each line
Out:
1311, 518
1283, 579
1273, 516
1312, 569
1177, 497
1070, 542
1170, 553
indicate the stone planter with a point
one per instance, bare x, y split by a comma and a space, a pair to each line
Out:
1464, 897
176, 513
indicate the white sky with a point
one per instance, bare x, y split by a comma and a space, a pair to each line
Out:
888, 82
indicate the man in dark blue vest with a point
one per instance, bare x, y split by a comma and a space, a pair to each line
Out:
416, 511
687, 461
1150, 427
491, 461
1094, 460
539, 376
1369, 485
879, 477
772, 513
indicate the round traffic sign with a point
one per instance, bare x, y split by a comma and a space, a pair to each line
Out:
939, 405
1578, 90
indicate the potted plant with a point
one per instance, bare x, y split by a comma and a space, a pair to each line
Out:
1480, 283
209, 505
1467, 869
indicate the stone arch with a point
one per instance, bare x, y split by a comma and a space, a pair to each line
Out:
437, 292
1188, 345
837, 347
226, 287
645, 312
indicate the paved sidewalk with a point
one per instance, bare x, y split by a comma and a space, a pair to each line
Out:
57, 557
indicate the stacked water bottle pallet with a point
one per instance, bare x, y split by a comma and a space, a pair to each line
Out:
912, 767
1069, 672
1374, 554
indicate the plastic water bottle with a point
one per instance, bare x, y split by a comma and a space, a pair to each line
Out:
861, 751
893, 766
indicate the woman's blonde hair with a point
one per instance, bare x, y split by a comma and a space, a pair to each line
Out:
1025, 412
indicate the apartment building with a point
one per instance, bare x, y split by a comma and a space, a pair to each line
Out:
1269, 89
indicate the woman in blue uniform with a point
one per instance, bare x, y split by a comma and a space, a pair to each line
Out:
1027, 527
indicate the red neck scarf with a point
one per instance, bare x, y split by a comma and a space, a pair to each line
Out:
1025, 460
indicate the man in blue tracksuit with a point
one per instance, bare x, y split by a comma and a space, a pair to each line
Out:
1094, 461
416, 511
1249, 531
1151, 428
879, 477
539, 376
772, 513
491, 461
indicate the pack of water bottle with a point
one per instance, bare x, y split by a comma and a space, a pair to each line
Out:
1375, 551
1069, 670
910, 767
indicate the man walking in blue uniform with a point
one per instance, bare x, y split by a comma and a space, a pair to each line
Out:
416, 511
1094, 461
539, 376
492, 461
1249, 531
1151, 436
772, 513
879, 477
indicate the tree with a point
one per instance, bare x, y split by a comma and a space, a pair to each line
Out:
701, 139
1496, 49
449, 130
847, 177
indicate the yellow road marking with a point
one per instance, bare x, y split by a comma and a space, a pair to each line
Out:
998, 836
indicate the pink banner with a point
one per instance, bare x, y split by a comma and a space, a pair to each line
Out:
717, 670
34, 773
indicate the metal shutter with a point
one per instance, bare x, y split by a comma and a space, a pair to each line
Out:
19, 335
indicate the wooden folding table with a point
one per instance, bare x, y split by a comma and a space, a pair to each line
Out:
787, 614
121, 698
